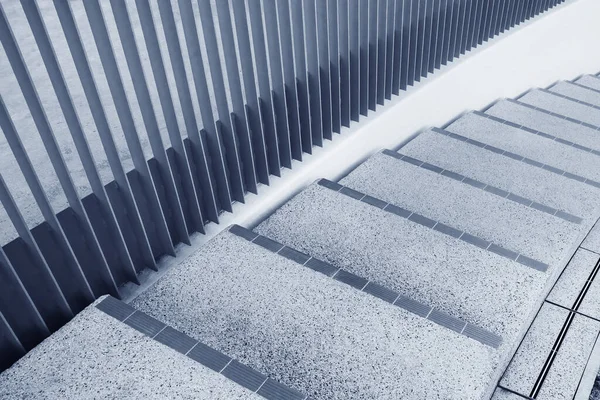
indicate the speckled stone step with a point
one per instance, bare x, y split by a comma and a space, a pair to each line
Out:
582, 164
566, 107
553, 127
591, 81
505, 171
578, 92
465, 206
97, 356
408, 256
315, 334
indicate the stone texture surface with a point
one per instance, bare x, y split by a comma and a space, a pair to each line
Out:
312, 333
592, 241
463, 280
577, 92
573, 279
97, 357
562, 106
564, 374
504, 222
591, 81
546, 123
528, 145
514, 176
529, 360
501, 394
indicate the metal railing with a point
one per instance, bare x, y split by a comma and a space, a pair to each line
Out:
170, 111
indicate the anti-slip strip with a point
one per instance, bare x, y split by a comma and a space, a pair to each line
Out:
484, 186
435, 225
517, 157
564, 117
197, 351
472, 331
535, 132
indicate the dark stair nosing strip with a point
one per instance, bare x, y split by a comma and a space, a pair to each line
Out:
517, 157
586, 87
548, 112
198, 351
584, 103
464, 236
480, 185
536, 132
389, 296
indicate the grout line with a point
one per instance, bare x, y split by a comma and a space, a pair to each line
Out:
570, 309
496, 341
129, 316
494, 190
157, 333
192, 348
226, 365
515, 392
261, 385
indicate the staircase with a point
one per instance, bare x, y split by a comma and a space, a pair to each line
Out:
460, 266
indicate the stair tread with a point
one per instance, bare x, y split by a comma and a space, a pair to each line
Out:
97, 356
590, 81
521, 114
527, 144
310, 332
505, 173
463, 280
575, 91
504, 222
553, 102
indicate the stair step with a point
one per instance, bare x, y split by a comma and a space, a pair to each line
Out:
315, 334
527, 364
97, 356
560, 105
591, 81
505, 136
506, 171
578, 92
504, 222
434, 268
550, 126
592, 241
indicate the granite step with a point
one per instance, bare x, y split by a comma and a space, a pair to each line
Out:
577, 92
548, 125
465, 206
580, 164
561, 105
97, 356
250, 298
591, 81
412, 255
508, 172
